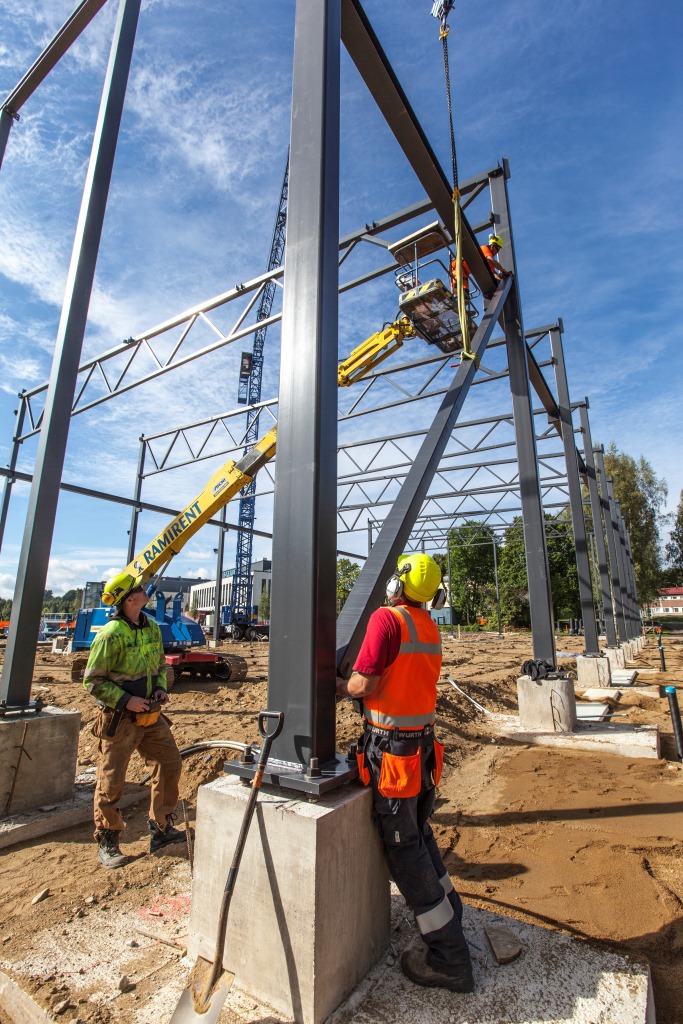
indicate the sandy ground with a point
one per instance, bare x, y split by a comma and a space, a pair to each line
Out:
588, 843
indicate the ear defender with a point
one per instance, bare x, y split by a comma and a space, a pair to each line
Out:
439, 599
394, 588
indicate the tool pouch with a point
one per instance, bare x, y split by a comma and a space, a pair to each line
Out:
147, 717
438, 762
106, 723
400, 776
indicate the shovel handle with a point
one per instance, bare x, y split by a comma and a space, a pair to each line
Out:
262, 724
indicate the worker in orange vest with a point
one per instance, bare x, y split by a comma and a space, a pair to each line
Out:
395, 676
489, 252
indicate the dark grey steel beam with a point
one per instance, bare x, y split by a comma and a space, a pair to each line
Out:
598, 527
612, 542
135, 514
638, 622
303, 602
629, 604
583, 567
11, 465
34, 558
146, 506
368, 590
367, 54
535, 547
53, 52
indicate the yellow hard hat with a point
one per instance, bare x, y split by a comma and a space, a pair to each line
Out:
496, 240
119, 587
420, 575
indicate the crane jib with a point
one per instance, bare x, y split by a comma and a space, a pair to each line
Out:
174, 530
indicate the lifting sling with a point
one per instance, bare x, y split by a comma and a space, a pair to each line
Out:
441, 9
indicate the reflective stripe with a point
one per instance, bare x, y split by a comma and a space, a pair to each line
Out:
420, 648
414, 646
438, 917
399, 721
446, 884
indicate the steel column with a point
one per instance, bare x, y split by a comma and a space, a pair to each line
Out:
495, 573
612, 541
42, 506
638, 622
368, 590
535, 545
583, 568
135, 514
12, 465
303, 599
596, 512
6, 122
218, 596
628, 603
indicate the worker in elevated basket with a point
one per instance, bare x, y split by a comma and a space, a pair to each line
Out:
395, 676
126, 674
489, 252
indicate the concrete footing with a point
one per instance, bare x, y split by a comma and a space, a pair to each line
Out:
547, 717
616, 657
38, 755
546, 705
310, 912
593, 671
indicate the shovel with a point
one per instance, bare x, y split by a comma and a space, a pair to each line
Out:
202, 1004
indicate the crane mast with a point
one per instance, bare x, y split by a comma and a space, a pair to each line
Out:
249, 392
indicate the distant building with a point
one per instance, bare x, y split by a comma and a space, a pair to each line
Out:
168, 585
203, 595
668, 602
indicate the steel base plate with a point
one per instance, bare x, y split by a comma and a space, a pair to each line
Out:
287, 775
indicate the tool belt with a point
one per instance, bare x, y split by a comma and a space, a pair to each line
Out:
108, 720
399, 734
399, 775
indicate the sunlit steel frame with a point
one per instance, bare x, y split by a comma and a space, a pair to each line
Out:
53, 52
15, 686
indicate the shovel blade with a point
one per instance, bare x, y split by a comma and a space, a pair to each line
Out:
186, 1011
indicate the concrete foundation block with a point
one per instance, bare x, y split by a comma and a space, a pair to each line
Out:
592, 672
310, 911
629, 652
546, 705
45, 771
616, 657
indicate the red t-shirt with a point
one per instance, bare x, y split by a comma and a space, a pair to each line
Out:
382, 643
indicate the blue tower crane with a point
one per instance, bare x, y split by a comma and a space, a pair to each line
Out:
237, 616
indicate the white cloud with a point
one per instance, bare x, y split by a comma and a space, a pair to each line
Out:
7, 584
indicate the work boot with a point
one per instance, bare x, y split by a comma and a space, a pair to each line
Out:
109, 854
159, 837
414, 965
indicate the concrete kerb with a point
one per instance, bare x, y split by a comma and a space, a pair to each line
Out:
53, 817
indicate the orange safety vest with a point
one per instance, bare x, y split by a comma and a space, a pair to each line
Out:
405, 697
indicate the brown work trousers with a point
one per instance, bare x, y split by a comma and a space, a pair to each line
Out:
156, 746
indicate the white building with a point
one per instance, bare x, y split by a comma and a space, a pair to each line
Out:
669, 601
203, 595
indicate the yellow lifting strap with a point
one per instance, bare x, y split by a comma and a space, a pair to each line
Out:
467, 353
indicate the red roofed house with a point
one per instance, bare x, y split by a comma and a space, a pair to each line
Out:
669, 602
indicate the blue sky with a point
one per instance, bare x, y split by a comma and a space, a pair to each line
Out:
583, 99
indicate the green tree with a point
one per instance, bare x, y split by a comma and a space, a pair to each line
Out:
5, 607
512, 574
674, 549
347, 573
264, 604
472, 583
642, 495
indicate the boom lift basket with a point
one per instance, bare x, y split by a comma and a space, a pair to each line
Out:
433, 311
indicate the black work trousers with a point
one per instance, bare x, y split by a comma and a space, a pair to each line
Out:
412, 853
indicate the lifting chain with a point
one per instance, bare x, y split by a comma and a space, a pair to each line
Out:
441, 9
